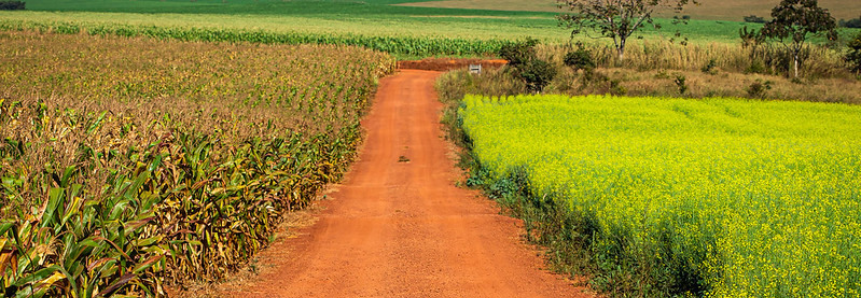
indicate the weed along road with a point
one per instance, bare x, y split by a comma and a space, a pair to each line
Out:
399, 227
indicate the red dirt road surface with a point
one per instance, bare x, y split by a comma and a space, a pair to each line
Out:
398, 227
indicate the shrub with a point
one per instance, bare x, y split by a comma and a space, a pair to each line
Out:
711, 67
756, 66
579, 59
854, 55
519, 53
524, 63
754, 19
617, 89
680, 82
852, 23
758, 89
537, 74
12, 5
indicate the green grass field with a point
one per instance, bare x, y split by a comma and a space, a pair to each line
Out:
731, 197
374, 17
726, 10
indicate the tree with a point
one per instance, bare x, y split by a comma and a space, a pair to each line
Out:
793, 20
616, 19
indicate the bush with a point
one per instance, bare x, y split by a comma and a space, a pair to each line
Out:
579, 59
754, 19
756, 66
854, 55
519, 53
12, 5
711, 67
852, 23
537, 74
758, 89
680, 82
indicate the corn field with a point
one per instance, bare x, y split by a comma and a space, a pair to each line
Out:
403, 45
128, 164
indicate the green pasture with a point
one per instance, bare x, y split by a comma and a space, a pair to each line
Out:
371, 18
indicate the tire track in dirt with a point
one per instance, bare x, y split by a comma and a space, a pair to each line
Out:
399, 228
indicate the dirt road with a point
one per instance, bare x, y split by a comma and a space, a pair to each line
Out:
398, 227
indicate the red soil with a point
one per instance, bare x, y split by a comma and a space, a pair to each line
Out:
398, 227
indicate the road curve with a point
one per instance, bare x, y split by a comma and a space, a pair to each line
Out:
398, 227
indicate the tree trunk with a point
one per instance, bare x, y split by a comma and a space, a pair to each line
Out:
621, 50
796, 64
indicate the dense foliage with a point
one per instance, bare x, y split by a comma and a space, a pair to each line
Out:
854, 55
669, 197
13, 5
129, 163
523, 63
851, 23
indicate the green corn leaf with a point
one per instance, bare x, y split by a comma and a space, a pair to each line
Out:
67, 176
45, 285
55, 200
146, 264
5, 226
72, 209
37, 276
96, 123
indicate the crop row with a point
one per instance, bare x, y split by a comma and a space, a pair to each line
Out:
675, 197
130, 164
403, 45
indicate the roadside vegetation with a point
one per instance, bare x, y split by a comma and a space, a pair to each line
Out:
668, 70
128, 164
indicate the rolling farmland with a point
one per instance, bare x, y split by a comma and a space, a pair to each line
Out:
162, 147
367, 19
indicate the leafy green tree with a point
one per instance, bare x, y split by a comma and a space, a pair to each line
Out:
793, 20
616, 19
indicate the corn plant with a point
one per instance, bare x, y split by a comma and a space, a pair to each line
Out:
121, 176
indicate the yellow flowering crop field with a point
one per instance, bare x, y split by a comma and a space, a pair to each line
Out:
721, 197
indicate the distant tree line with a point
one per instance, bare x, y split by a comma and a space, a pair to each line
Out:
12, 5
754, 19
852, 23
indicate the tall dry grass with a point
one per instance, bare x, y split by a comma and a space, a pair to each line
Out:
651, 69
820, 62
